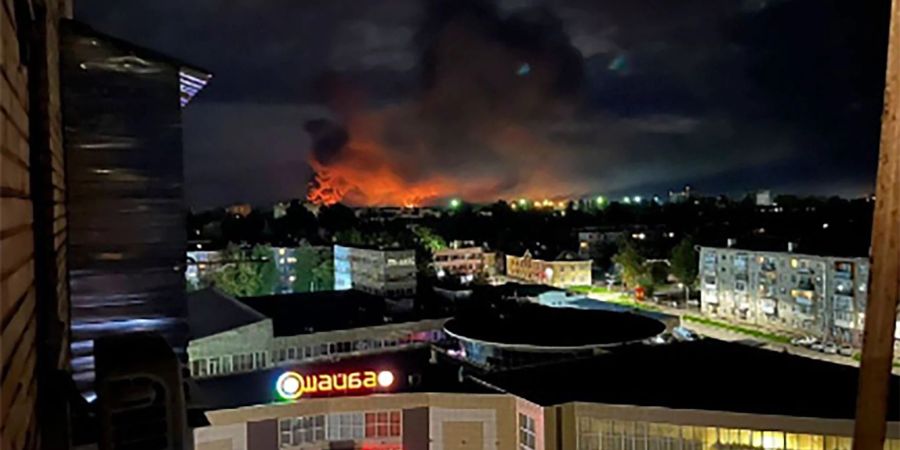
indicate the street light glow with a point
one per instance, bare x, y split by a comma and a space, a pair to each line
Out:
455, 203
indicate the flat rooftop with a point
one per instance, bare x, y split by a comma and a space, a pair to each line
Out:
542, 326
705, 375
212, 311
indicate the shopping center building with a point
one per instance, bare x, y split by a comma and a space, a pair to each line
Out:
232, 335
681, 396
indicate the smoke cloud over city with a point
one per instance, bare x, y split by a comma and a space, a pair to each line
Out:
490, 90
417, 101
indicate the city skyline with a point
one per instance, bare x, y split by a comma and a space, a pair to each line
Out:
596, 98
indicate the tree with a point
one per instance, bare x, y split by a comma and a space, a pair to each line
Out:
350, 237
684, 261
429, 240
314, 270
247, 275
631, 263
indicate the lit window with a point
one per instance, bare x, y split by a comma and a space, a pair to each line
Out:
344, 427
383, 424
527, 434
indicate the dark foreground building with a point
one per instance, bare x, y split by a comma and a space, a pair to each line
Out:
122, 109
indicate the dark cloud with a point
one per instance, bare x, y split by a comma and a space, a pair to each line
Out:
579, 95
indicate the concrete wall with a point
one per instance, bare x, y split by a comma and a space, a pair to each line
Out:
32, 213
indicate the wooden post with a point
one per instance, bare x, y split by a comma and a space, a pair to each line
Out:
884, 290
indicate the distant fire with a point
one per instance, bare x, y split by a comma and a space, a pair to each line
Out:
484, 125
365, 173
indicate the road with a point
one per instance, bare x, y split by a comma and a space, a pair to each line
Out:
733, 336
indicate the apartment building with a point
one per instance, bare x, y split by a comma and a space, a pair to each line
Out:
459, 261
382, 272
567, 269
821, 296
589, 239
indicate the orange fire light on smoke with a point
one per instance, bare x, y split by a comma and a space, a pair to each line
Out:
365, 173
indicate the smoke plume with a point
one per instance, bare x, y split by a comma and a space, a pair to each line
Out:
490, 89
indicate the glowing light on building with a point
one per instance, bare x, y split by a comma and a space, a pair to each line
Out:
385, 378
455, 203
600, 200
292, 385
289, 385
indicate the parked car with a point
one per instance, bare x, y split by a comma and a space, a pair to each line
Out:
846, 350
683, 334
804, 341
830, 348
817, 346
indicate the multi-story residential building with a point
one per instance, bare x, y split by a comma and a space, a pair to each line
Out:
568, 269
821, 296
493, 264
459, 261
233, 336
421, 400
200, 264
383, 272
590, 238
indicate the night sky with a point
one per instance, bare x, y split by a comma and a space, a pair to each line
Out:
416, 101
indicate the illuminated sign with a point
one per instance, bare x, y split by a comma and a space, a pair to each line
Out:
292, 385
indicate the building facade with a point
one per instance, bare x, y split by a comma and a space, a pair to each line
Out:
562, 272
471, 421
819, 296
383, 272
459, 261
255, 346
409, 421
590, 239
